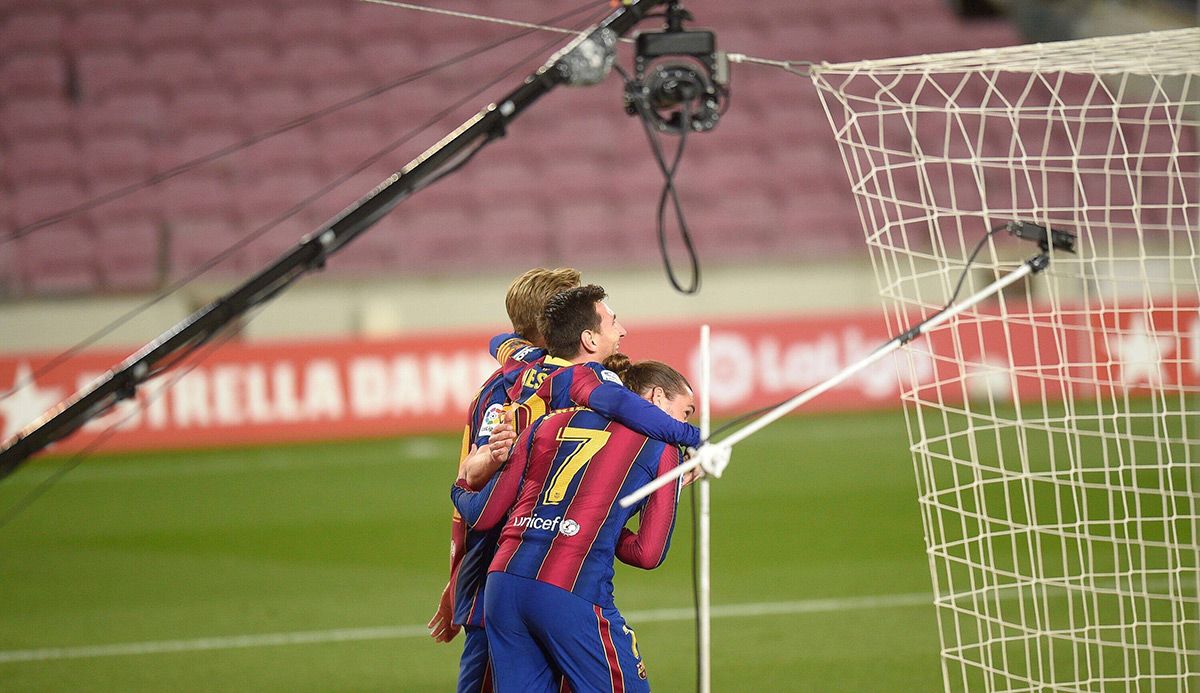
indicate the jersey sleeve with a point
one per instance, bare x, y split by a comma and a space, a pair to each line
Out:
600, 390
486, 508
510, 346
647, 548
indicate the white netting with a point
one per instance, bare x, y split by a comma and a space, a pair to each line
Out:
1056, 430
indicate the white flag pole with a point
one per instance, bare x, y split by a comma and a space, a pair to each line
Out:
804, 397
703, 558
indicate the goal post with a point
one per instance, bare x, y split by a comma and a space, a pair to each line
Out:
1055, 428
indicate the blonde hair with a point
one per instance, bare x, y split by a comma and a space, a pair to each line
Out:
527, 296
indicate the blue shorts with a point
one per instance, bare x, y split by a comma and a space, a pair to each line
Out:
537, 631
474, 669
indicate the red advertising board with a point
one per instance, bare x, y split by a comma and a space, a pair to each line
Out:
260, 393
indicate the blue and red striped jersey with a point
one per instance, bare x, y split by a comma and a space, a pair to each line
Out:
565, 527
487, 410
471, 569
546, 383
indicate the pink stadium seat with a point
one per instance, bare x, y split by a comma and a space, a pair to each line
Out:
180, 68
48, 160
35, 117
316, 63
449, 239
128, 253
119, 155
137, 114
102, 74
328, 94
197, 240
33, 75
194, 195
145, 205
59, 259
240, 24
270, 106
389, 58
310, 23
346, 147
265, 198
36, 201
194, 144
286, 152
247, 66
370, 22
33, 30
102, 29
172, 28
202, 109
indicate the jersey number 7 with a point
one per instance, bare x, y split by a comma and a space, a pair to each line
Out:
590, 442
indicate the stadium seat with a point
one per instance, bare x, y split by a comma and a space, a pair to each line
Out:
448, 239
32, 30
260, 200
180, 68
196, 241
128, 251
240, 25
122, 155
103, 74
33, 75
286, 152
137, 114
172, 27
35, 117
327, 94
195, 144
195, 195
203, 109
316, 63
390, 58
346, 147
42, 160
369, 22
266, 107
102, 29
246, 66
59, 259
312, 23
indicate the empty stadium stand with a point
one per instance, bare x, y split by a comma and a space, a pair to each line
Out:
95, 95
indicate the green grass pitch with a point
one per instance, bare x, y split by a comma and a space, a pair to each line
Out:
818, 569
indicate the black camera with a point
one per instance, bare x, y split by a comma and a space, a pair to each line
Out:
680, 80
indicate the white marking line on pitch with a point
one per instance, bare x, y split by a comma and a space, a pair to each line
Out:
233, 642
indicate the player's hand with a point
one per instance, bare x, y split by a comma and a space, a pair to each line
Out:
441, 626
692, 475
501, 441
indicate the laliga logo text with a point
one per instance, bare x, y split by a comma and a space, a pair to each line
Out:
567, 528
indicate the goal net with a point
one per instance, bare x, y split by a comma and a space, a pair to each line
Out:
1055, 430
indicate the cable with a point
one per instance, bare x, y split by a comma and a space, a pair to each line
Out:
669, 192
91, 339
912, 330
254, 139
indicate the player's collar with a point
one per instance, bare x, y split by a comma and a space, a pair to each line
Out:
555, 361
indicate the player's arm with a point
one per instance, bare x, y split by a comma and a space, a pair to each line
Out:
647, 548
486, 508
592, 389
510, 346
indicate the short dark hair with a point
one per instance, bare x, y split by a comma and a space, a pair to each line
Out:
567, 314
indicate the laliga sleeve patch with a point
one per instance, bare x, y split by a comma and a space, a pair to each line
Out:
492, 418
611, 377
